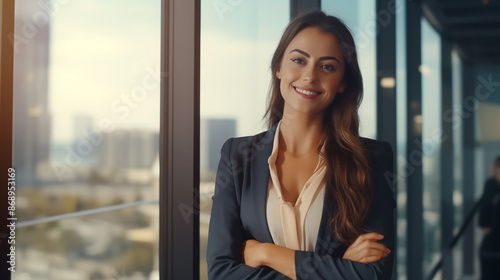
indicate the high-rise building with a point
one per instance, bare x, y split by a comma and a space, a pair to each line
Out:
135, 149
213, 134
32, 121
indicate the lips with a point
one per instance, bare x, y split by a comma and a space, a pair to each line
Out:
307, 93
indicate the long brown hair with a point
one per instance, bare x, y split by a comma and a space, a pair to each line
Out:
348, 173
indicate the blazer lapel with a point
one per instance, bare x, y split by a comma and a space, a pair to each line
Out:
260, 181
325, 243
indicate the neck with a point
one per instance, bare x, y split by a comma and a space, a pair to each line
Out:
300, 133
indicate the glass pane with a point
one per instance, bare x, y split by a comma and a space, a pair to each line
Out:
360, 17
431, 143
238, 39
457, 160
115, 245
486, 112
401, 133
86, 128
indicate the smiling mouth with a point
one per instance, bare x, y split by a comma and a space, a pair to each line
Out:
306, 92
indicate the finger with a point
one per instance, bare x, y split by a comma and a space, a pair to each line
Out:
364, 242
373, 235
362, 249
370, 259
372, 255
357, 255
370, 236
376, 245
367, 256
373, 252
367, 253
367, 236
369, 243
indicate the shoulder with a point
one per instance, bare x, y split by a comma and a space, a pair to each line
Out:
248, 146
377, 150
248, 140
380, 159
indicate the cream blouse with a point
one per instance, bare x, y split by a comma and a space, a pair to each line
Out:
295, 226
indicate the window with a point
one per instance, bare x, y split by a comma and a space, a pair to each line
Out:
86, 138
238, 39
402, 164
431, 143
359, 16
458, 161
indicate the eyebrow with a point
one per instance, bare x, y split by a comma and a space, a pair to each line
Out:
321, 58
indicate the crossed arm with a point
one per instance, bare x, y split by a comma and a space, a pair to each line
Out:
365, 250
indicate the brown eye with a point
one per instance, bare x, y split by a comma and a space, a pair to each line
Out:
327, 67
297, 60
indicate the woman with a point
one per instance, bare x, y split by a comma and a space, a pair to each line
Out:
489, 221
309, 198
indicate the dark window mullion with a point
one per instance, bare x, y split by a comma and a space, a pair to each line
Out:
447, 208
298, 7
415, 230
7, 9
179, 140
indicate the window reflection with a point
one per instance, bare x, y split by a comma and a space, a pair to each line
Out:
431, 144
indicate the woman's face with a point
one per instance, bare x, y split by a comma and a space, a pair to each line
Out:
311, 72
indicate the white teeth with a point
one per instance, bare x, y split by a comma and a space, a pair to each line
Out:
306, 92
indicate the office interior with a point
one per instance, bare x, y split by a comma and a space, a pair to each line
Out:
113, 114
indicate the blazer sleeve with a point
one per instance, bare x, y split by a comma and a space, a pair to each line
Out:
380, 219
486, 207
226, 232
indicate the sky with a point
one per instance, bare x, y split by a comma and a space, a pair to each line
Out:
105, 55
101, 51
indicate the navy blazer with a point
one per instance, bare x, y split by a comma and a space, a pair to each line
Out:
239, 214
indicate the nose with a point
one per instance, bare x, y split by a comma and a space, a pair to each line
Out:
309, 74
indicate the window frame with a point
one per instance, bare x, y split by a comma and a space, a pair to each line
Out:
179, 134
179, 140
6, 102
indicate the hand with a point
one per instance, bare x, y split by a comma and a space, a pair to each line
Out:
252, 253
366, 249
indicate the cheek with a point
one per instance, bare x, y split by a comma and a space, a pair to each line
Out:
330, 100
289, 74
282, 88
285, 81
334, 86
